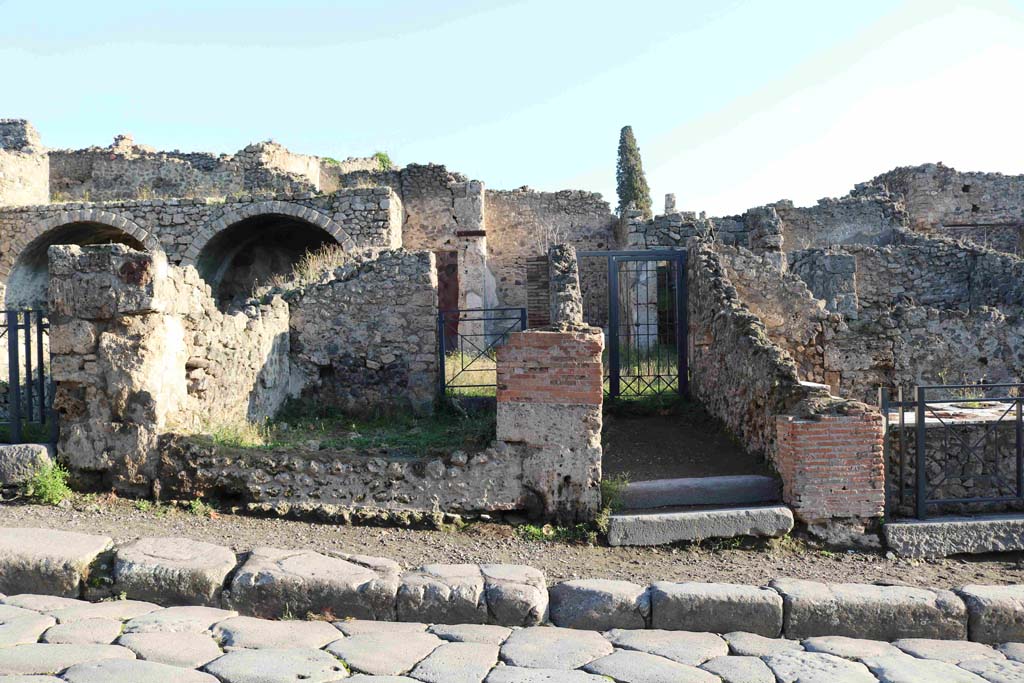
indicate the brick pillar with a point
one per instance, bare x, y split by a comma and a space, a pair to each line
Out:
831, 466
549, 400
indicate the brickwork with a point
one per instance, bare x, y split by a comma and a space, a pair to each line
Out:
551, 367
831, 466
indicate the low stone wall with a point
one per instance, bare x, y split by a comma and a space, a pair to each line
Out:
272, 582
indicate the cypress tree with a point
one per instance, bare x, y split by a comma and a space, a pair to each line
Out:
629, 175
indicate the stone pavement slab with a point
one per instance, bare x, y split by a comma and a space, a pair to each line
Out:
47, 561
514, 674
254, 633
814, 667
188, 650
22, 627
903, 669
457, 663
627, 666
363, 678
951, 651
1014, 651
680, 646
546, 647
41, 658
471, 633
738, 669
42, 603
111, 609
753, 645
133, 671
355, 627
173, 571
443, 594
383, 654
30, 679
716, 607
850, 648
996, 670
87, 631
277, 666
995, 614
178, 620
599, 604
273, 583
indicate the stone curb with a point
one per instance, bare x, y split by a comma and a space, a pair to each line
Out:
276, 583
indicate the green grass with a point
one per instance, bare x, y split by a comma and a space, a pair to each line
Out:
463, 370
49, 485
31, 432
578, 534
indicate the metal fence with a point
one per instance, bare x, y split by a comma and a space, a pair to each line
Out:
468, 339
954, 448
26, 400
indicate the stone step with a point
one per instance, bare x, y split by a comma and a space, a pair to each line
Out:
664, 526
952, 535
743, 489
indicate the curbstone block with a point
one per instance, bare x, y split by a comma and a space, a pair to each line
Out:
47, 561
995, 614
869, 612
599, 605
173, 571
443, 594
716, 607
517, 595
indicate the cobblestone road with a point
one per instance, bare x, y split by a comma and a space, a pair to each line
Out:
49, 639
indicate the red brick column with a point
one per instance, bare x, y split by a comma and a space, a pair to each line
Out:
549, 401
831, 466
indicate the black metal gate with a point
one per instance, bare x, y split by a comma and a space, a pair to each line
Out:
954, 449
26, 401
469, 368
644, 316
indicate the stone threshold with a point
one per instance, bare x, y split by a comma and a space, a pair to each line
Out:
955, 535
285, 584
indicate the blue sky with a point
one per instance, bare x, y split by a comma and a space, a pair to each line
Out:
734, 103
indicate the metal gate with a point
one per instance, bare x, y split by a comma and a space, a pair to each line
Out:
26, 393
469, 368
643, 294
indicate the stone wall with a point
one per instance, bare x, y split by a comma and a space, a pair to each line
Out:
24, 165
365, 337
869, 219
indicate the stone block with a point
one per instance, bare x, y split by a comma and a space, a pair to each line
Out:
47, 560
382, 654
133, 671
661, 528
257, 634
626, 665
995, 614
443, 594
260, 666
685, 647
19, 462
716, 607
870, 612
274, 582
43, 658
599, 604
516, 595
542, 647
187, 650
945, 536
814, 667
173, 571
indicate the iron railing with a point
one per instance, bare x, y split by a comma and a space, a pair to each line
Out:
26, 407
467, 340
961, 450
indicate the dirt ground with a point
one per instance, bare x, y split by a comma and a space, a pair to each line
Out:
481, 543
684, 442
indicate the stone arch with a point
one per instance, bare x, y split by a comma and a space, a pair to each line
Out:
257, 242
23, 267
277, 208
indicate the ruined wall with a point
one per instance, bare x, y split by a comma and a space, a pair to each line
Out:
367, 338
986, 209
848, 220
24, 165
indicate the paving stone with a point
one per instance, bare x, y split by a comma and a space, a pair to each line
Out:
47, 561
133, 671
457, 663
40, 658
274, 582
716, 607
996, 670
545, 647
815, 667
903, 669
251, 632
42, 603
86, 631
19, 462
193, 619
363, 678
355, 627
24, 628
515, 674
851, 648
189, 650
1014, 651
599, 604
995, 614
111, 609
951, 651
173, 571
10, 612
30, 679
277, 666
443, 594
627, 666
753, 645
733, 669
516, 595
679, 646
471, 633
873, 612
382, 654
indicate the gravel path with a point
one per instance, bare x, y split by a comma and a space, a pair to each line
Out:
91, 643
483, 543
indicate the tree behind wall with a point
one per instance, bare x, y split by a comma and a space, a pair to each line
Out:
629, 175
